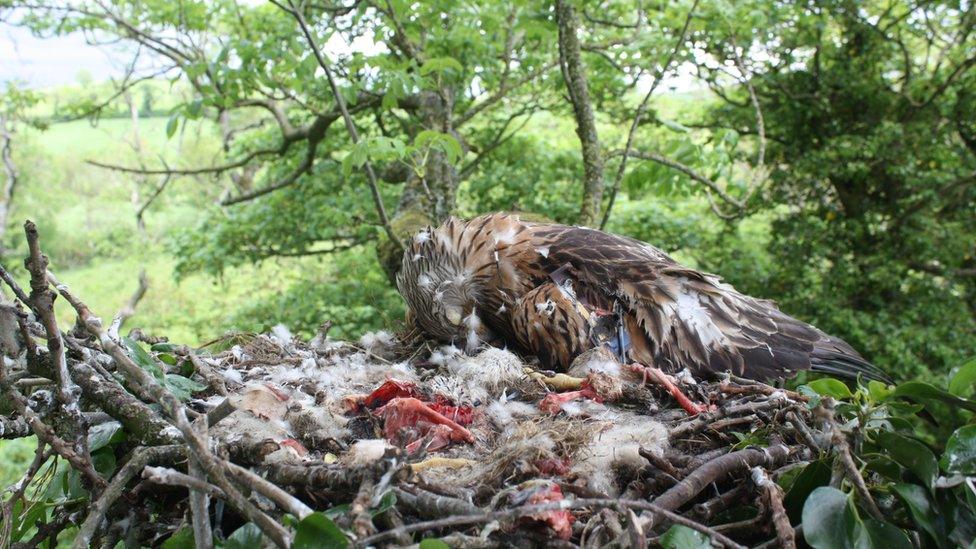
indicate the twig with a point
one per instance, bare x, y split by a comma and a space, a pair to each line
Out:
141, 457
618, 504
704, 420
803, 431
18, 291
843, 450
177, 412
429, 504
214, 380
42, 301
718, 468
129, 308
13, 428
172, 477
199, 499
45, 433
705, 511
288, 503
773, 496
350, 125
138, 419
641, 109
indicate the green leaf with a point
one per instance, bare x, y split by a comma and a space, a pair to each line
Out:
182, 387
922, 390
439, 141
24, 522
316, 531
432, 543
386, 503
831, 387
100, 435
182, 539
674, 126
163, 347
195, 108
814, 475
440, 64
171, 126
964, 380
824, 525
878, 391
960, 452
912, 455
873, 534
920, 508
142, 358
682, 537
355, 159
248, 536
104, 462
338, 510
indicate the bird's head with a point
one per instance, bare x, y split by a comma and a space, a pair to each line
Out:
440, 291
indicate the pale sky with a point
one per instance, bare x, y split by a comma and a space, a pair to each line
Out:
46, 62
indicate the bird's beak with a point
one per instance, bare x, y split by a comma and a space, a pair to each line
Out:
454, 316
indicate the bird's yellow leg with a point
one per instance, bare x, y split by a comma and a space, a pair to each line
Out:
438, 461
558, 382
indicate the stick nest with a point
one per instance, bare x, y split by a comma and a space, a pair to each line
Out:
160, 440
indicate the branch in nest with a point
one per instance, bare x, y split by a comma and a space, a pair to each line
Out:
773, 498
141, 457
527, 510
710, 472
178, 414
42, 302
843, 451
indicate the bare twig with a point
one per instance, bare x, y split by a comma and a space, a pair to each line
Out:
641, 109
288, 503
129, 308
843, 451
773, 497
42, 301
141, 457
619, 504
718, 468
350, 125
199, 499
172, 477
14, 428
178, 414
45, 433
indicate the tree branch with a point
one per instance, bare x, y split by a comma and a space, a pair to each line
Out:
641, 109
350, 125
574, 73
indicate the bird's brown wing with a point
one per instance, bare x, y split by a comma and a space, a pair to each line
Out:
682, 318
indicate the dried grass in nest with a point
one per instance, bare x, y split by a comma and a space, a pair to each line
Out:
533, 445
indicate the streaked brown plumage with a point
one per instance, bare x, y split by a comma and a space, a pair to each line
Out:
553, 289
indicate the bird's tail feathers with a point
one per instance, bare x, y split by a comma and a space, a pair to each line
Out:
846, 366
